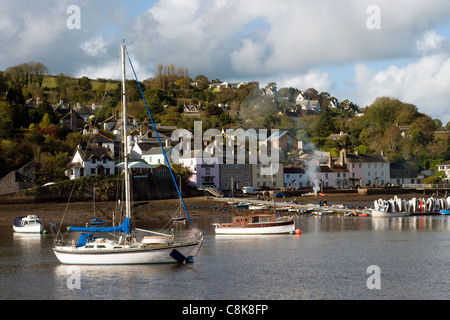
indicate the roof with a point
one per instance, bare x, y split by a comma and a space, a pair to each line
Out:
156, 150
293, 170
444, 163
95, 152
366, 158
98, 137
408, 165
278, 135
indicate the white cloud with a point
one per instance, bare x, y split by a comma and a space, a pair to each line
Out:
313, 79
431, 41
287, 42
424, 83
95, 46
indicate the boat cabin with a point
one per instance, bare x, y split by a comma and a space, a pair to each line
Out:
242, 221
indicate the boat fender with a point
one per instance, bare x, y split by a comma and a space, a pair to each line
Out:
298, 231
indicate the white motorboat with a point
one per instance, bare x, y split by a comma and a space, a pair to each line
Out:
28, 224
256, 224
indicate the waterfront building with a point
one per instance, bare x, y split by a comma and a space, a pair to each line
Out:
295, 178
89, 161
366, 170
155, 156
445, 167
205, 170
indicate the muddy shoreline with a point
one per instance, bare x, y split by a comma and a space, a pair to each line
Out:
159, 209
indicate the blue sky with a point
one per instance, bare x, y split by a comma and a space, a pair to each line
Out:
353, 49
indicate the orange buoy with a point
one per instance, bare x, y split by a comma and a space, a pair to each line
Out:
298, 231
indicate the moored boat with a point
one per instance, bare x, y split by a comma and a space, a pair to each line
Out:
28, 224
256, 224
258, 207
131, 245
379, 213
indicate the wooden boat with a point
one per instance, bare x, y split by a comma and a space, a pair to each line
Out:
256, 224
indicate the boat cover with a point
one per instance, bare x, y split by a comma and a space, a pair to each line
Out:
97, 221
124, 227
84, 239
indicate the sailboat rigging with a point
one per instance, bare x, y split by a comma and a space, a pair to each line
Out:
131, 247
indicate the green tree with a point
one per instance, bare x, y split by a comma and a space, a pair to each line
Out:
6, 119
51, 168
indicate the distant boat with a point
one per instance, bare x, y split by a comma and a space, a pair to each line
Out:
445, 211
258, 207
179, 219
323, 212
256, 224
241, 205
28, 224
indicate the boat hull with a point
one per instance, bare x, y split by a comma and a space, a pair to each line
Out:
162, 254
37, 228
377, 213
268, 228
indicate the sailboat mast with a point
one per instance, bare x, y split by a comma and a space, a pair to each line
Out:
125, 138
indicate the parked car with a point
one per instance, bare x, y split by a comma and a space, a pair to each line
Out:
281, 195
249, 190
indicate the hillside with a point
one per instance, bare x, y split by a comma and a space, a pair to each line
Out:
30, 130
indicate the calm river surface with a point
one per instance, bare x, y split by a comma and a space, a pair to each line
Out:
329, 260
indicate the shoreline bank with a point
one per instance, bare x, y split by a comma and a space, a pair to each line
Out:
159, 209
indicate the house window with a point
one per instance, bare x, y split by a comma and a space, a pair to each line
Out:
93, 160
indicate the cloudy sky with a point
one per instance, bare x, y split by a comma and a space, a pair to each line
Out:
353, 49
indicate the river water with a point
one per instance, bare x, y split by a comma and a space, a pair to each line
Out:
333, 258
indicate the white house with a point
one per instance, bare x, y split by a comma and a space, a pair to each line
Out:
205, 170
295, 178
445, 166
155, 156
139, 148
91, 161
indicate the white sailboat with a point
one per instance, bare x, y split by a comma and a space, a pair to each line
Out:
131, 247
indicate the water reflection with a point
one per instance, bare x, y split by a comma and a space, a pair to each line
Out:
327, 261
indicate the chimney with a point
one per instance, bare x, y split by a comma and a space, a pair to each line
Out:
343, 156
